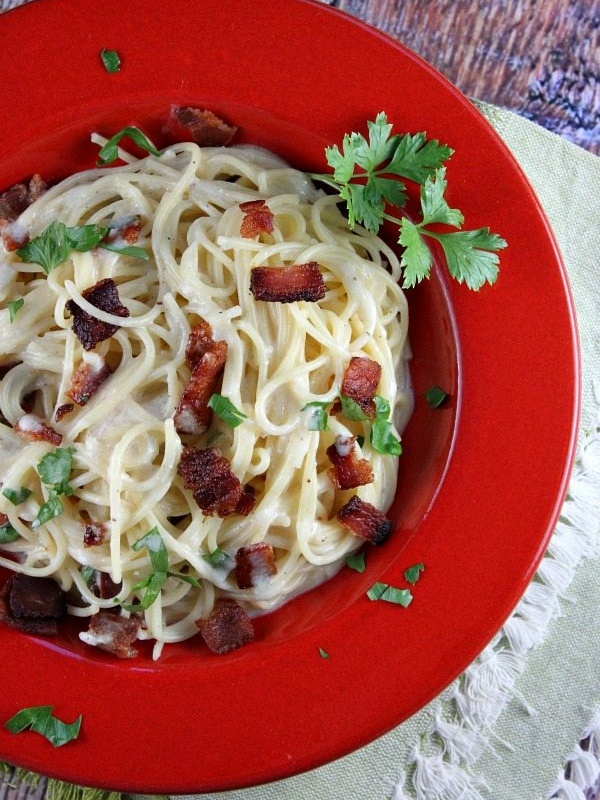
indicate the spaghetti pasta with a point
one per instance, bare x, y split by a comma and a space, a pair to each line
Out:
284, 362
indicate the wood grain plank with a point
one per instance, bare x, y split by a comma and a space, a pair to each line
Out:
540, 58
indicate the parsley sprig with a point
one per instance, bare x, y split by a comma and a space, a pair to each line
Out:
370, 174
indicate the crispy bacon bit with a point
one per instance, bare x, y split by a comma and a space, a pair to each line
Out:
364, 520
32, 428
359, 383
288, 284
216, 489
94, 534
66, 408
88, 377
199, 342
254, 564
192, 414
19, 197
258, 218
104, 587
89, 330
348, 471
31, 604
112, 633
13, 235
200, 126
124, 230
227, 627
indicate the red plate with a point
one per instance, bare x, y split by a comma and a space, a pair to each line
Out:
482, 479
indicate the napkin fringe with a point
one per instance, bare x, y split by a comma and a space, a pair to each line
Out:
441, 764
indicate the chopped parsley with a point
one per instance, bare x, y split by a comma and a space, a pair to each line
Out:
217, 558
8, 534
53, 246
356, 561
391, 594
369, 174
16, 496
14, 306
382, 437
226, 411
54, 470
412, 574
153, 583
109, 151
318, 415
41, 720
323, 653
111, 60
435, 396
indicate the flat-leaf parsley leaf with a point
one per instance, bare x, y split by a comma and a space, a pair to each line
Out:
391, 594
370, 174
41, 720
111, 60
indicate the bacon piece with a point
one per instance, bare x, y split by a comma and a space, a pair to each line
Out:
227, 627
88, 377
124, 230
112, 633
193, 414
66, 408
199, 342
216, 489
94, 534
200, 126
258, 218
104, 587
19, 197
31, 604
348, 471
31, 427
13, 235
288, 284
364, 520
89, 330
359, 383
254, 564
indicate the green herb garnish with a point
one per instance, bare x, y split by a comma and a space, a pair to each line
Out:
41, 720
369, 174
14, 306
412, 574
323, 653
54, 469
8, 534
391, 594
356, 561
153, 583
318, 416
383, 438
217, 558
16, 496
225, 410
109, 151
435, 396
111, 60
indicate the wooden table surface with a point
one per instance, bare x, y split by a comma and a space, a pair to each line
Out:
539, 58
